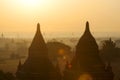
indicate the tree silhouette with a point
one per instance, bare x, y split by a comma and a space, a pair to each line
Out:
2, 75
6, 76
9, 76
109, 51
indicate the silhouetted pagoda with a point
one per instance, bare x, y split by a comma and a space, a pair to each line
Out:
37, 66
87, 61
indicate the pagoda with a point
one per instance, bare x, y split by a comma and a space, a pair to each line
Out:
87, 62
37, 66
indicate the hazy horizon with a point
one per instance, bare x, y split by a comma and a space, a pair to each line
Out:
30, 35
60, 17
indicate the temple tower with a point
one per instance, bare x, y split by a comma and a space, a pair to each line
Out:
87, 61
37, 66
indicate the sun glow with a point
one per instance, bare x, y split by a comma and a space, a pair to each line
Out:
30, 3
85, 77
34, 5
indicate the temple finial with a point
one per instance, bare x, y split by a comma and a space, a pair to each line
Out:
38, 26
87, 26
110, 39
19, 65
109, 64
20, 62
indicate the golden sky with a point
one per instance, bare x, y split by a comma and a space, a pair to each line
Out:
60, 16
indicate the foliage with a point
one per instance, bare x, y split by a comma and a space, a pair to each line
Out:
6, 76
109, 51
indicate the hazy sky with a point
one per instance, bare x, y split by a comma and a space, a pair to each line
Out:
60, 16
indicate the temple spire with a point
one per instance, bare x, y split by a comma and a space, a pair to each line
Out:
109, 68
38, 27
38, 40
19, 65
87, 27
37, 66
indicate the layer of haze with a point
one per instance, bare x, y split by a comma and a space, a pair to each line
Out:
60, 17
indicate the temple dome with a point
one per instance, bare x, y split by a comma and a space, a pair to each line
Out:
87, 51
38, 46
38, 42
87, 41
